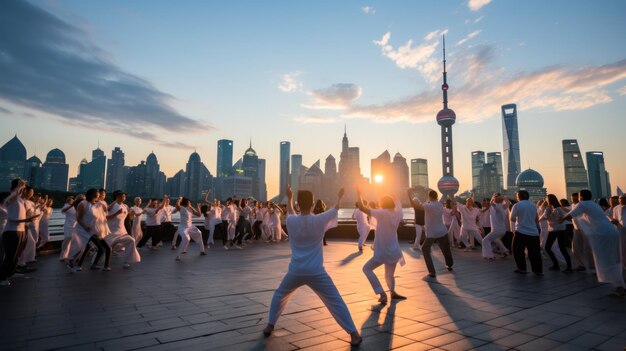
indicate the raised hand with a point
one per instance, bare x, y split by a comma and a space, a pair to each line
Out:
289, 192
342, 192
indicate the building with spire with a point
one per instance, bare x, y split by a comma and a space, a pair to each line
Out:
575, 173
116, 171
349, 172
12, 162
448, 185
250, 166
510, 134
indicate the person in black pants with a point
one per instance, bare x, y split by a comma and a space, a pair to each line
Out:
556, 231
526, 237
153, 224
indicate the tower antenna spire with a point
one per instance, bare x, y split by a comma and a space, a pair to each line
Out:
444, 86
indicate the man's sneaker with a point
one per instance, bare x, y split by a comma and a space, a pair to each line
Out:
225, 247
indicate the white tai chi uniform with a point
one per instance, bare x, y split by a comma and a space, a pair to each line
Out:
188, 231
209, 224
498, 217
135, 230
119, 236
69, 227
230, 214
618, 214
581, 249
80, 237
604, 240
44, 230
362, 226
32, 229
306, 234
468, 225
386, 247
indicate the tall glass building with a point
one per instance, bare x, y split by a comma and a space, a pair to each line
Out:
296, 163
55, 171
478, 162
599, 183
495, 158
575, 173
116, 170
224, 158
419, 172
510, 136
285, 154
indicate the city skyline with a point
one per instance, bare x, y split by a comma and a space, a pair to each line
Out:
223, 71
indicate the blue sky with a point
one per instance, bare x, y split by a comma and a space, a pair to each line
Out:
174, 76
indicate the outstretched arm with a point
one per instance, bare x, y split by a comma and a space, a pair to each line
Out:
339, 197
360, 205
290, 209
409, 192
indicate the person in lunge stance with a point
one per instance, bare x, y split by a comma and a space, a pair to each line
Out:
386, 247
306, 232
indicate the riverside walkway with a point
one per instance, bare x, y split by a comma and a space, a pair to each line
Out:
220, 302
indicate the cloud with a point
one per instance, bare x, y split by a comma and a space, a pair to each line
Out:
289, 82
53, 66
475, 5
316, 119
484, 88
368, 10
622, 90
418, 57
7, 111
468, 37
336, 97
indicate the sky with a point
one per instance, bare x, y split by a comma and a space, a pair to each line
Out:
174, 77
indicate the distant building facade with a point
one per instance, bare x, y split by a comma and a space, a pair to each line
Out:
12, 162
575, 173
510, 133
599, 182
419, 172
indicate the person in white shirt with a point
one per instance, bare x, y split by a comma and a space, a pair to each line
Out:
186, 229
232, 215
498, 216
153, 224
469, 223
386, 247
118, 236
362, 225
581, 249
44, 230
484, 219
436, 232
135, 215
604, 240
69, 226
526, 237
554, 214
306, 267
167, 228
33, 209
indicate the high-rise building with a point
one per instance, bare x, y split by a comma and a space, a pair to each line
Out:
296, 163
12, 162
76, 183
198, 178
262, 183
599, 183
448, 185
390, 177
419, 172
250, 165
92, 173
116, 170
496, 159
285, 154
575, 173
152, 186
349, 171
313, 179
176, 185
55, 171
510, 135
478, 162
331, 185
136, 181
224, 158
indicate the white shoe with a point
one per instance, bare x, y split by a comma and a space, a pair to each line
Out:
225, 247
238, 247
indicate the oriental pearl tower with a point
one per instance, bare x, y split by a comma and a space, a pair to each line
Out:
448, 185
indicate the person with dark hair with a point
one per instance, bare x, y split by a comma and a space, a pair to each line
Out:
554, 214
436, 232
33, 209
3, 219
581, 250
14, 235
230, 214
186, 229
167, 228
526, 235
306, 267
604, 204
469, 223
153, 225
362, 225
386, 247
118, 236
498, 216
484, 219
91, 219
419, 221
604, 240
243, 229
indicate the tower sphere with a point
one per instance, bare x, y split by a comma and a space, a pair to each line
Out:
446, 117
448, 185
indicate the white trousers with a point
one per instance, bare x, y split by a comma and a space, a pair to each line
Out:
232, 229
30, 250
390, 269
211, 232
465, 233
323, 286
418, 235
187, 234
493, 237
581, 250
130, 255
364, 230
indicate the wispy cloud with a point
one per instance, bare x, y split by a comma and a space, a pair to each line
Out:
476, 5
53, 66
622, 90
7, 111
289, 82
310, 119
468, 37
485, 87
368, 10
336, 97
418, 57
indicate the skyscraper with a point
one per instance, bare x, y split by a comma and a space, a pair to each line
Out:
296, 163
92, 173
250, 165
478, 162
285, 152
510, 135
198, 178
55, 171
419, 172
599, 183
116, 170
224, 158
33, 172
486, 173
331, 185
495, 158
12, 162
349, 172
448, 185
152, 186
575, 173
262, 183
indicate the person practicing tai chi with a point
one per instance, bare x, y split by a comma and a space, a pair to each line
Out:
436, 231
419, 221
386, 247
118, 236
362, 225
526, 237
186, 229
498, 216
604, 240
469, 223
306, 233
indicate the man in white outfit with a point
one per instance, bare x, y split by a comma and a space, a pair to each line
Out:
498, 215
306, 232
362, 225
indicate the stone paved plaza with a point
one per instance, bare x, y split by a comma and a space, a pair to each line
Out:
220, 302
